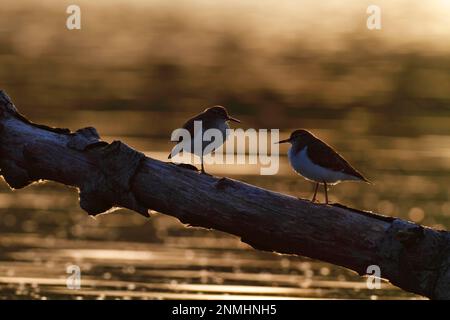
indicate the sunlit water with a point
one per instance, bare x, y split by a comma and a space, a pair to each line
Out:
136, 72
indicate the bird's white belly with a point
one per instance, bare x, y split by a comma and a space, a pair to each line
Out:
305, 167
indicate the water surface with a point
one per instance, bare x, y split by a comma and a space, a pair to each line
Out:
138, 69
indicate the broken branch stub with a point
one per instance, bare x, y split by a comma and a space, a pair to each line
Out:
103, 172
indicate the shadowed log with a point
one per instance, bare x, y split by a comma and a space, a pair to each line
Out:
413, 257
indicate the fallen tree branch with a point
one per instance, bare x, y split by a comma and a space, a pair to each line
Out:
413, 257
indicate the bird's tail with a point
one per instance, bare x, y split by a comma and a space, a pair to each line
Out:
359, 177
364, 179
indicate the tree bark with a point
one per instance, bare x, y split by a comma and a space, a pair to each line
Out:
412, 257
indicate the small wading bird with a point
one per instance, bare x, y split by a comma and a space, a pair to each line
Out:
212, 118
318, 162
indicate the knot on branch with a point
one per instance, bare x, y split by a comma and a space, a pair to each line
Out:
85, 138
111, 186
410, 236
224, 183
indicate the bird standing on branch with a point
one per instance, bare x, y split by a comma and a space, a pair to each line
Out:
318, 162
216, 117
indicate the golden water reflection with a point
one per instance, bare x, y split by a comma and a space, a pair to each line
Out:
138, 69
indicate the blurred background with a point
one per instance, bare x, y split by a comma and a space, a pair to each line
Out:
137, 69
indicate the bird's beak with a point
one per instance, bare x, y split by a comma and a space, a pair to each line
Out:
283, 141
234, 119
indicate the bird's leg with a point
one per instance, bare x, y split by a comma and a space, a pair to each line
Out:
203, 167
326, 192
315, 192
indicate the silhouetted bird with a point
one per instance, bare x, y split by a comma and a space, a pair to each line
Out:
212, 118
318, 162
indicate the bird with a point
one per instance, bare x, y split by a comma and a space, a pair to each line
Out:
216, 117
318, 162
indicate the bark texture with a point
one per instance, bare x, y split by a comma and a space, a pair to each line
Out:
107, 175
